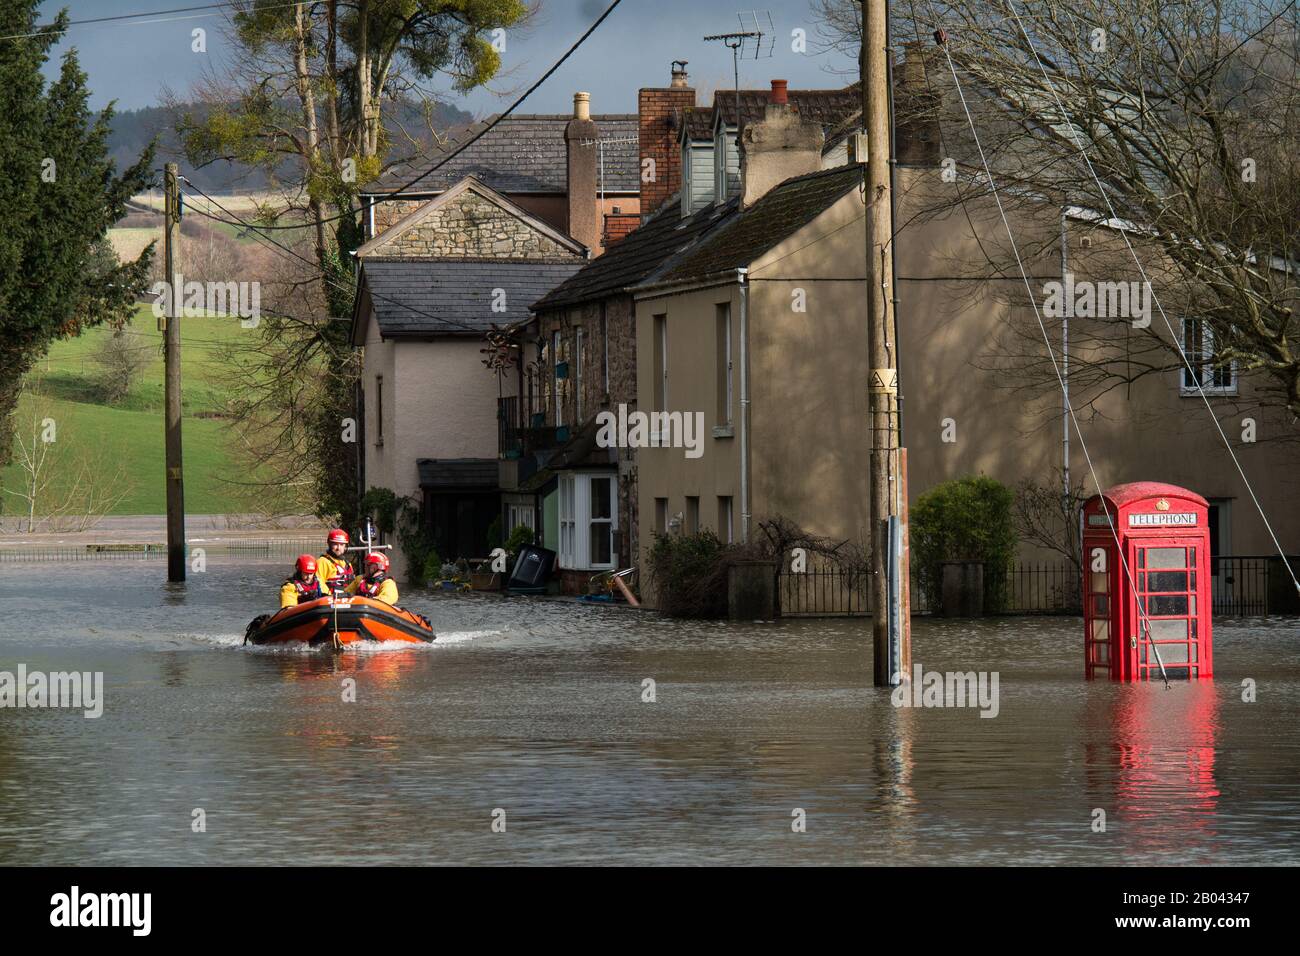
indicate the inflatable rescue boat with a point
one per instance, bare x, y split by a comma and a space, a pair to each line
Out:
339, 622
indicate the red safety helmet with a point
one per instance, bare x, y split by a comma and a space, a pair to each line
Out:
306, 564
338, 536
379, 558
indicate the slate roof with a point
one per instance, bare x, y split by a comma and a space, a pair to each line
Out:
785, 210
697, 123
522, 154
452, 297
457, 473
630, 260
829, 108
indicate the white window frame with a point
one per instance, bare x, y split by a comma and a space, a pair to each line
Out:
576, 521
517, 515
1199, 359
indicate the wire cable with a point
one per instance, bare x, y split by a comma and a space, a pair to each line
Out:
1200, 390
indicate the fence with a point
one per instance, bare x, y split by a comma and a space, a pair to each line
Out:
260, 548
1240, 585
826, 590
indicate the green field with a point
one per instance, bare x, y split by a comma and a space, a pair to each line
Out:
131, 432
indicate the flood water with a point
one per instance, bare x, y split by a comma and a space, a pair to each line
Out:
536, 708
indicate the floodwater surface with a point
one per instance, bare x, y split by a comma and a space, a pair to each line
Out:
755, 743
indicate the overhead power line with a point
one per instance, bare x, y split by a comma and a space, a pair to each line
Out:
482, 132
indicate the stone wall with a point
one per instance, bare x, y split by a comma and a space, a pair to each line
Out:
620, 326
471, 227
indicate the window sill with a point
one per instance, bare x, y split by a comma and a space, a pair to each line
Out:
1208, 392
724, 431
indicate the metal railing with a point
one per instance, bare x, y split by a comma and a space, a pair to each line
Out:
261, 548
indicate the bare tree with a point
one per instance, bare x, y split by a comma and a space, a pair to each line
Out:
64, 483
1047, 515
1168, 126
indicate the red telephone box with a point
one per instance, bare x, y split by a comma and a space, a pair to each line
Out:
1146, 583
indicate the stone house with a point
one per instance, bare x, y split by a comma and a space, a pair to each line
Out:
587, 326
760, 327
429, 289
580, 178
459, 246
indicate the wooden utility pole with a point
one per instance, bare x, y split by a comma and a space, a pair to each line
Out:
171, 329
889, 623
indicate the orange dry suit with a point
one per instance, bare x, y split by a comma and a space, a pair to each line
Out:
335, 574
297, 591
380, 587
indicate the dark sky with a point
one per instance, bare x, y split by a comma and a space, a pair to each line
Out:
131, 61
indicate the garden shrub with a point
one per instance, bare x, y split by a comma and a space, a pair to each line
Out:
969, 519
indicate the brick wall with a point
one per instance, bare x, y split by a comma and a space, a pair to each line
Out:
659, 112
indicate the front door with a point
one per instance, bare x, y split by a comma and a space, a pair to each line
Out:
1162, 624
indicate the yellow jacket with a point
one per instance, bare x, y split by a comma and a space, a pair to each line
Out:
292, 592
386, 591
327, 569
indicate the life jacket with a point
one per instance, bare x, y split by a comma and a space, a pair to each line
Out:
307, 591
343, 575
369, 586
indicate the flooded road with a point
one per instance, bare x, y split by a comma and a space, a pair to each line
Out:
536, 709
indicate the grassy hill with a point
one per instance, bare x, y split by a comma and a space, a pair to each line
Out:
131, 431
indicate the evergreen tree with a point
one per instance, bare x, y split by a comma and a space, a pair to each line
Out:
59, 195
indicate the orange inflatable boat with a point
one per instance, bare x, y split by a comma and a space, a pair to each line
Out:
339, 622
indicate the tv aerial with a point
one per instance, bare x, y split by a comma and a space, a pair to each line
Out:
751, 41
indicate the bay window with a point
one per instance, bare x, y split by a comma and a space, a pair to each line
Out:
588, 520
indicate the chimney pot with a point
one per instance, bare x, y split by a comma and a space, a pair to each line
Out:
779, 93
679, 74
582, 106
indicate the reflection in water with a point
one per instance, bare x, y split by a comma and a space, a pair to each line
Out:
537, 707
1165, 744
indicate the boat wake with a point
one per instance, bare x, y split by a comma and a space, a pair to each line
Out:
364, 647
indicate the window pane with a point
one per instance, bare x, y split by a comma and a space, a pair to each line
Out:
1100, 582
1100, 605
601, 497
1166, 557
1100, 630
1172, 653
600, 543
1167, 604
1167, 581
1169, 631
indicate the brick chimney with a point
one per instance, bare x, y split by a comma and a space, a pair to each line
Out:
778, 148
581, 192
660, 110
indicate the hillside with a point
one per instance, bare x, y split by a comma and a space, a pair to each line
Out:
129, 435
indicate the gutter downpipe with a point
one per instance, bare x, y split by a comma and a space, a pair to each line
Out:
741, 274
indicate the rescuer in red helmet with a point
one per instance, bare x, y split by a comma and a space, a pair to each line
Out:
332, 567
376, 583
303, 586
